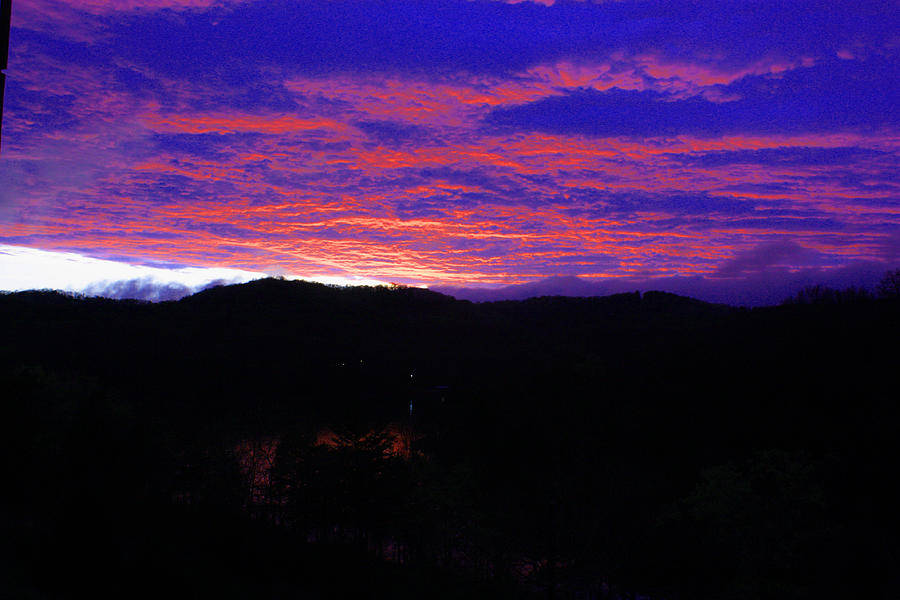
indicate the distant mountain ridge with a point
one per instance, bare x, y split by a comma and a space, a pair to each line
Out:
766, 288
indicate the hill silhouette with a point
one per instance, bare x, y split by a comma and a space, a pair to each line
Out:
550, 447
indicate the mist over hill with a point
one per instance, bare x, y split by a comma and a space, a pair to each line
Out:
552, 447
739, 283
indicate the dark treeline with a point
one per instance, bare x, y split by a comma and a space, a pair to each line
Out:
283, 439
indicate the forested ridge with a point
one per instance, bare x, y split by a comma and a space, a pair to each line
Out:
282, 439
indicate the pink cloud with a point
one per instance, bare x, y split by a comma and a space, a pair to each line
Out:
491, 209
105, 6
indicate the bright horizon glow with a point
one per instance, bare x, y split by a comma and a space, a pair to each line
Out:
24, 269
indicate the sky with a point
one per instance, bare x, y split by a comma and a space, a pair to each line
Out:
732, 151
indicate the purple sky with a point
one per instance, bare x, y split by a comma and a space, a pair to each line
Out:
733, 151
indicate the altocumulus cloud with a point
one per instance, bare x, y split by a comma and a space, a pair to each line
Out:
452, 142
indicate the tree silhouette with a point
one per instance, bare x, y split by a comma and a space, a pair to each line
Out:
889, 286
568, 446
342, 487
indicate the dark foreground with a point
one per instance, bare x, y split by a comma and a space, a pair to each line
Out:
290, 440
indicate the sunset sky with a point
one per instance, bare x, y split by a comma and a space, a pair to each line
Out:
728, 150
